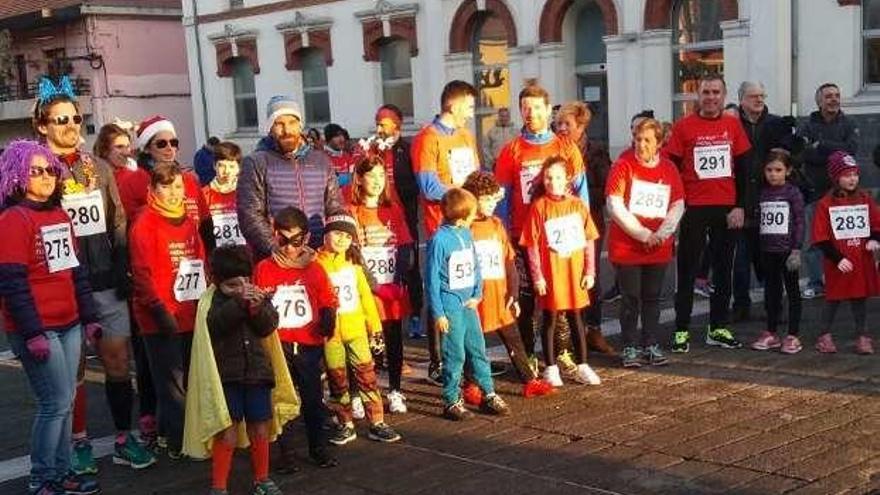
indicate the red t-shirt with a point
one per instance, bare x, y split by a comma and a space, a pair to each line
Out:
157, 249
269, 276
219, 203
133, 187
196, 206
848, 222
656, 190
54, 294
707, 148
495, 253
519, 164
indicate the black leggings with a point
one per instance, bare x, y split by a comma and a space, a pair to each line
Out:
526, 321
775, 276
858, 311
392, 331
512, 341
640, 287
548, 331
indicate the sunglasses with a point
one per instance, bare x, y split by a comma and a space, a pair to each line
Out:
296, 240
65, 119
163, 143
35, 172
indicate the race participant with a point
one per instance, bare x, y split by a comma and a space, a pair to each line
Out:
712, 152
220, 194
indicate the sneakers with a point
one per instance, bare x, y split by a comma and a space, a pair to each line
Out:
396, 402
75, 484
323, 458
415, 328
131, 453
825, 344
722, 337
493, 404
472, 394
381, 432
435, 374
812, 292
654, 356
357, 408
766, 341
631, 357
533, 363
47, 488
266, 487
586, 375
343, 435
457, 412
566, 363
81, 460
703, 288
551, 376
681, 341
536, 388
864, 345
791, 345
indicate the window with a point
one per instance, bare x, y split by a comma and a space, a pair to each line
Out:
871, 36
235, 4
394, 56
315, 92
491, 74
698, 49
245, 94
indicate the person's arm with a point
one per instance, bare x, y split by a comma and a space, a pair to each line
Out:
741, 165
332, 195
849, 143
263, 319
226, 317
16, 253
85, 301
581, 187
142, 244
590, 258
670, 223
433, 266
478, 275
626, 220
425, 156
252, 209
797, 219
830, 252
368, 302
404, 260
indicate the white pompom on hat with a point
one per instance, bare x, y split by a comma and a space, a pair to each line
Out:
152, 126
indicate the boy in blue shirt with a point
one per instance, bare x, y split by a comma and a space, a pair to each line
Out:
454, 289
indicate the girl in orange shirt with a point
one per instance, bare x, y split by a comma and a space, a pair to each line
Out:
558, 234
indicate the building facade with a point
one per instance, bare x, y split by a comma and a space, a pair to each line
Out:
127, 59
344, 58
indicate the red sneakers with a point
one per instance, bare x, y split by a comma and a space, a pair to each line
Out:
537, 388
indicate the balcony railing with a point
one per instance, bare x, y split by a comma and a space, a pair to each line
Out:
10, 92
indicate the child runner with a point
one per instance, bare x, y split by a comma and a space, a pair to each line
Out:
781, 231
303, 296
846, 228
454, 286
646, 202
220, 194
357, 328
499, 307
558, 234
388, 250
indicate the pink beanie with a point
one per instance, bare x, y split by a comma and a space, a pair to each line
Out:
840, 163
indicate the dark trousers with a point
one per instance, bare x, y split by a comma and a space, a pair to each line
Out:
696, 224
859, 313
512, 341
640, 287
433, 340
593, 312
775, 276
304, 364
392, 332
145, 389
747, 256
169, 357
526, 321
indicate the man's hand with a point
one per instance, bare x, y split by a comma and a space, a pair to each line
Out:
736, 218
442, 324
845, 266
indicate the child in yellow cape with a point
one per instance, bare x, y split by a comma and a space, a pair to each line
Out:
239, 392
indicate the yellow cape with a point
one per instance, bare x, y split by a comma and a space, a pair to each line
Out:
206, 411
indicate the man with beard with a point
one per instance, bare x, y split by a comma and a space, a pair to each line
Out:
284, 171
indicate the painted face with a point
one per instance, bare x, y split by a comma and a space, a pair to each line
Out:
711, 98
42, 180
60, 128
646, 145
171, 194
337, 241
555, 179
291, 242
849, 181
373, 182
163, 147
535, 113
227, 170
487, 203
775, 173
462, 110
287, 130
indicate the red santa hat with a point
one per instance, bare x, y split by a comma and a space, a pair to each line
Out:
152, 126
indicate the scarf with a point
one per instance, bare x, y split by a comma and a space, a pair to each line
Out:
539, 138
224, 188
164, 209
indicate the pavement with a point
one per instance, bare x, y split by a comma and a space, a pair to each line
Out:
713, 421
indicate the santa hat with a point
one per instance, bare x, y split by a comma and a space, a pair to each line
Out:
282, 105
152, 126
343, 222
840, 163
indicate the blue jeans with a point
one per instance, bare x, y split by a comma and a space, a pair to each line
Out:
464, 341
54, 383
812, 255
169, 357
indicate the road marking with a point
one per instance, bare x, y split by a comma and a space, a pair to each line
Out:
20, 467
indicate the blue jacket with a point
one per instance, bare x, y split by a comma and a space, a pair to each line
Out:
447, 240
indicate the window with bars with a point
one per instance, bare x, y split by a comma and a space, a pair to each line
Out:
244, 93
697, 49
397, 89
871, 42
316, 94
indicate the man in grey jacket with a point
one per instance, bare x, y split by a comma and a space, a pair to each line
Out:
284, 171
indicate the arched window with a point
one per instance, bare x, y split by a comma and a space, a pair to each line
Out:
698, 48
491, 74
244, 93
871, 36
315, 91
394, 57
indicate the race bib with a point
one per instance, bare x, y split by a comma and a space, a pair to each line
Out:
293, 306
226, 231
58, 247
850, 222
648, 199
527, 175
491, 260
712, 162
461, 269
345, 286
774, 217
190, 281
86, 212
566, 235
461, 164
380, 262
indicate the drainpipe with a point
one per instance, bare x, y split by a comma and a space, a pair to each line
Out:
195, 5
794, 57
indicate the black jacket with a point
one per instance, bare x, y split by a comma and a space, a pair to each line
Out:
820, 140
770, 131
237, 338
406, 185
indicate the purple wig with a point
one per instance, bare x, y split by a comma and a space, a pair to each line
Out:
15, 164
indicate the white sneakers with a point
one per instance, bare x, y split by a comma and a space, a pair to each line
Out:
551, 376
396, 402
586, 375
357, 408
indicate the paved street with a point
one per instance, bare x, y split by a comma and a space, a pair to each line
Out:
713, 421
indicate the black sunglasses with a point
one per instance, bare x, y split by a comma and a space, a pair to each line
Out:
65, 119
163, 143
35, 172
296, 240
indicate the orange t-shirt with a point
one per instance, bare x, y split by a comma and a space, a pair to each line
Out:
495, 253
561, 229
452, 157
519, 164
